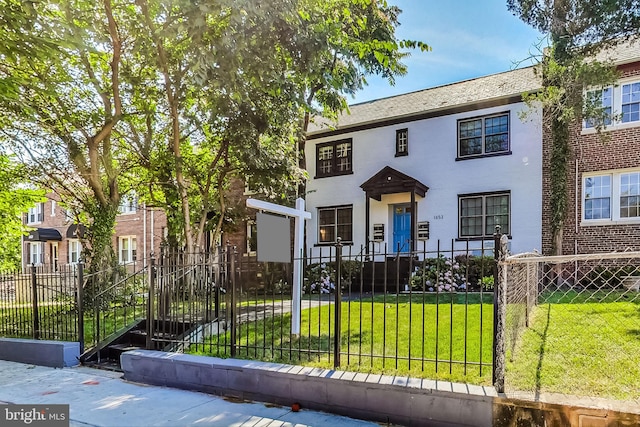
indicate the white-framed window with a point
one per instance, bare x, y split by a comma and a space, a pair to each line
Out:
483, 136
611, 196
602, 98
128, 205
620, 105
480, 213
53, 208
36, 253
127, 249
36, 214
630, 102
334, 222
402, 142
75, 249
252, 234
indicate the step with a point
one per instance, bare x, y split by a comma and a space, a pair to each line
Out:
125, 347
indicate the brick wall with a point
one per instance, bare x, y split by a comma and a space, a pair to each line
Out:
589, 153
53, 217
147, 225
235, 234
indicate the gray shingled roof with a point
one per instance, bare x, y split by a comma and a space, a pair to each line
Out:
481, 89
622, 53
441, 98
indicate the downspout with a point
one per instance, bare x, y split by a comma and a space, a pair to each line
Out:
577, 202
144, 234
152, 233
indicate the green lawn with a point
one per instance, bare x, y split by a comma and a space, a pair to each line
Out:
383, 335
585, 345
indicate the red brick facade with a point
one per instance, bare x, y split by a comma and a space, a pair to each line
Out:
589, 153
146, 225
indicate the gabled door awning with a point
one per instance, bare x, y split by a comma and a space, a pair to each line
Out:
43, 235
391, 181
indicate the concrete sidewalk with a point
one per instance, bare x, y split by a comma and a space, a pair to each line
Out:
102, 398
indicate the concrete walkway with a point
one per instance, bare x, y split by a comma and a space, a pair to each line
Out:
102, 398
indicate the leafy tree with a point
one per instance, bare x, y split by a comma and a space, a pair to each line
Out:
577, 30
241, 80
15, 200
177, 99
69, 103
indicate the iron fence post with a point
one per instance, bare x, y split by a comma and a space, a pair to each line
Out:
150, 302
80, 305
216, 272
34, 296
232, 309
338, 304
498, 318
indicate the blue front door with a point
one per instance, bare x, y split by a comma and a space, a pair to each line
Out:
401, 228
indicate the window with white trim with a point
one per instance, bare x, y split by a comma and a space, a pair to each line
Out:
334, 158
252, 234
36, 214
614, 106
602, 100
53, 208
480, 213
36, 253
75, 249
612, 196
128, 205
127, 246
334, 222
631, 102
483, 136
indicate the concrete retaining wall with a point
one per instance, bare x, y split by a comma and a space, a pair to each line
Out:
402, 400
513, 412
56, 354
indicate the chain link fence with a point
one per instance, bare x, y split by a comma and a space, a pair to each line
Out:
572, 325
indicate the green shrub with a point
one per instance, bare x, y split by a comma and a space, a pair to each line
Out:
462, 273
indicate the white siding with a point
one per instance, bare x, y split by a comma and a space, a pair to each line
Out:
432, 161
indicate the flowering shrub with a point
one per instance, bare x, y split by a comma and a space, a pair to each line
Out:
320, 279
439, 274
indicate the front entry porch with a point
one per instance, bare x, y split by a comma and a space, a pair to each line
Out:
401, 237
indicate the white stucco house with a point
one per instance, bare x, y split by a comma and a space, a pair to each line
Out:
444, 164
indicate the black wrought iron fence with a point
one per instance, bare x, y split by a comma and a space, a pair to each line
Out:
113, 300
573, 326
40, 303
426, 313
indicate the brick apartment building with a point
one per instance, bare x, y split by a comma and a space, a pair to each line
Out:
56, 240
604, 175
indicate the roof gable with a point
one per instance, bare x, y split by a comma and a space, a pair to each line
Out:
390, 181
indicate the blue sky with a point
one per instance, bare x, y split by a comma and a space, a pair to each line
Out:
469, 38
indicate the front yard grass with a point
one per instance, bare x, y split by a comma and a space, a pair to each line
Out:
580, 344
399, 335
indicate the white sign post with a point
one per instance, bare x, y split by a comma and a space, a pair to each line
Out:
299, 215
